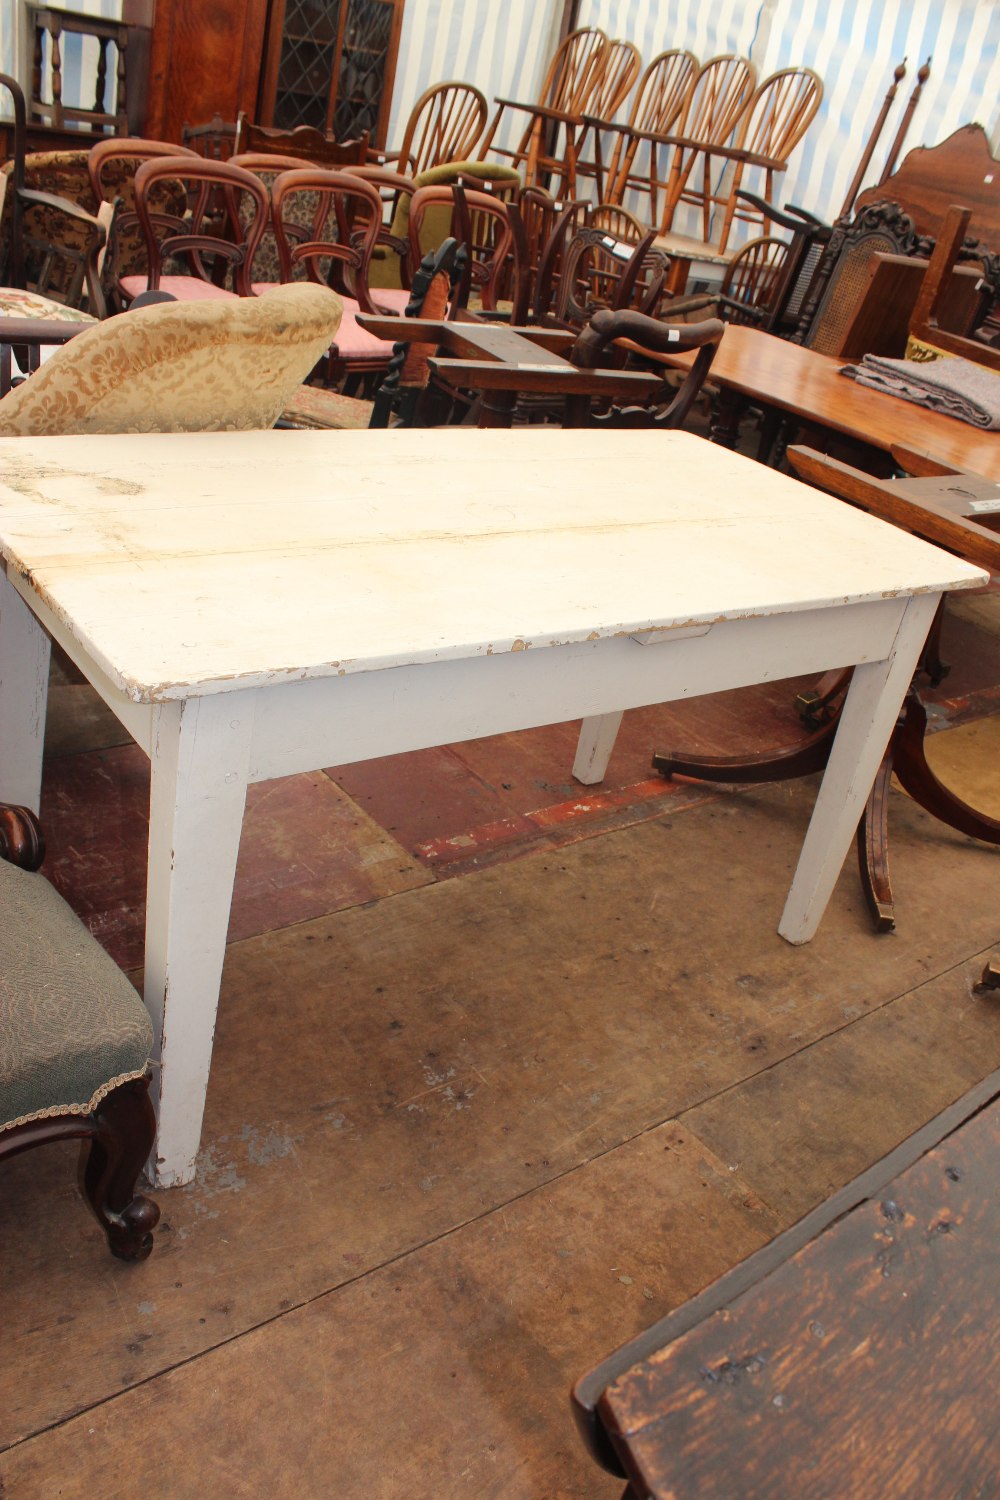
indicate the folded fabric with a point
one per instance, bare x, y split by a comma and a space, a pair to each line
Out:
957, 387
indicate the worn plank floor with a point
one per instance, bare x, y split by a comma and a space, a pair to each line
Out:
466, 1135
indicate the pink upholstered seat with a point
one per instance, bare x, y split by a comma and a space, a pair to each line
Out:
184, 288
353, 342
392, 299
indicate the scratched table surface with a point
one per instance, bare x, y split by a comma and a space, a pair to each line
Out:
251, 605
864, 1364
193, 564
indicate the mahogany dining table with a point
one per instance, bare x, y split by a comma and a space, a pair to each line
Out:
758, 367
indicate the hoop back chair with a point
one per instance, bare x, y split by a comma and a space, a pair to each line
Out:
571, 88
481, 223
111, 167
714, 115
445, 124
779, 115
775, 120
336, 249
75, 1041
265, 268
662, 95
336, 244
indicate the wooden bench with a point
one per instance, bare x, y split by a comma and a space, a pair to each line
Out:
856, 1355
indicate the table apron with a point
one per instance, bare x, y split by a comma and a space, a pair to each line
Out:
338, 720
136, 718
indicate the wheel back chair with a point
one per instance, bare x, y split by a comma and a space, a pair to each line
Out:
571, 89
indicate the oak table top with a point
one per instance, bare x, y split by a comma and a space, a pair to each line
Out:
809, 385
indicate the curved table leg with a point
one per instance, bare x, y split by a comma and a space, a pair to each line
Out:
873, 849
802, 759
916, 776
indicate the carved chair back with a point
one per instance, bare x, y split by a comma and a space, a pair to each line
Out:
646, 338
599, 270
305, 143
337, 243
841, 277
216, 234
111, 166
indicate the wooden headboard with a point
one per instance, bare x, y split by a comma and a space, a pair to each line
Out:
961, 170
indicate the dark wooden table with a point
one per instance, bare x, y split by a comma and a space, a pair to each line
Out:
857, 1355
507, 361
754, 366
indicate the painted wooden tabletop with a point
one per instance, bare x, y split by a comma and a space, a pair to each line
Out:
190, 564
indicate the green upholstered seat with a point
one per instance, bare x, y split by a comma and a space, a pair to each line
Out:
479, 174
71, 1025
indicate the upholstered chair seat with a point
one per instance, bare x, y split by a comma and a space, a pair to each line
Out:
15, 303
72, 1027
75, 1041
182, 288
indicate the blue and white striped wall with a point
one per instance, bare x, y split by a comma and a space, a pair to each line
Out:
503, 46
853, 45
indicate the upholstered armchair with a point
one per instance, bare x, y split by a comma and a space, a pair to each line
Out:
179, 367
75, 1041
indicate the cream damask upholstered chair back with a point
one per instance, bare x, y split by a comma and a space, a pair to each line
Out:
180, 367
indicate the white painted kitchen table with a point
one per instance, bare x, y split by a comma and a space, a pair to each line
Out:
252, 605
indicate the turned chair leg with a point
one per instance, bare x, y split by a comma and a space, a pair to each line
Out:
124, 1131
